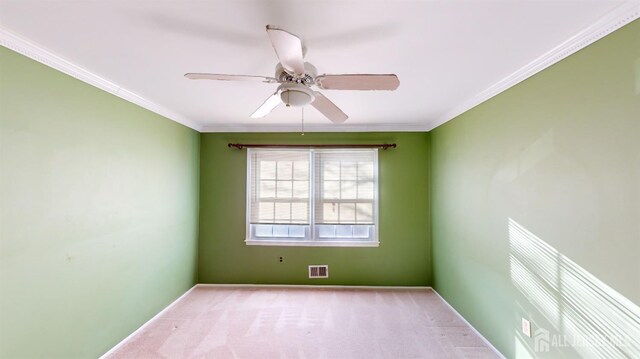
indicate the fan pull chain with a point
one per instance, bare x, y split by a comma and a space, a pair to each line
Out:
302, 129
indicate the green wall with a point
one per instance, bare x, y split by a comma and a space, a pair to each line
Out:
98, 213
404, 255
536, 202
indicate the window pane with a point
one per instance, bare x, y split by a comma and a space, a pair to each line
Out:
344, 231
365, 170
348, 189
327, 231
300, 189
331, 190
349, 171
330, 212
360, 231
264, 231
365, 190
265, 212
296, 231
267, 170
281, 231
267, 189
364, 212
283, 212
299, 212
284, 189
347, 212
285, 170
331, 170
301, 170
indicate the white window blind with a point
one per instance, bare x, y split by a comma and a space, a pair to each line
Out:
312, 197
345, 187
280, 192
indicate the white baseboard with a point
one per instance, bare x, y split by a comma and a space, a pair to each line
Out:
488, 343
310, 286
125, 340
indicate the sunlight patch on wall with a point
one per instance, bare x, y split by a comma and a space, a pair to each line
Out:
586, 314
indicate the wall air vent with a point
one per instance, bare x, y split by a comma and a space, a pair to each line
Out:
319, 271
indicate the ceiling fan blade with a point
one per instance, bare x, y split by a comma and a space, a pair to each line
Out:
224, 77
328, 109
272, 102
288, 49
363, 82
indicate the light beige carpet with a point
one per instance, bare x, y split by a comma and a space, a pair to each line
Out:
217, 322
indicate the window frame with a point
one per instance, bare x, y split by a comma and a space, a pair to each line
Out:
312, 237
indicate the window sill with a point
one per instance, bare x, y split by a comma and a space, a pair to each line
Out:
253, 242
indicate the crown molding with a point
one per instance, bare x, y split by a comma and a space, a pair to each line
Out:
329, 127
622, 15
38, 53
615, 19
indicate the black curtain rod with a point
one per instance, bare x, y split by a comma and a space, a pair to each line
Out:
245, 145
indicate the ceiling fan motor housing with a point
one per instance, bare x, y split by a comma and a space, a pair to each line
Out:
295, 94
307, 79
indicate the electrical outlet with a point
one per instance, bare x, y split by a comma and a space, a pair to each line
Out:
526, 327
281, 259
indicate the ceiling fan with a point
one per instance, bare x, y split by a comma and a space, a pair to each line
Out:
296, 78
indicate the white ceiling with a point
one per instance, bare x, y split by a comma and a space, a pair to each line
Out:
446, 53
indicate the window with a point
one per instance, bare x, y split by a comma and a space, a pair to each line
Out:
312, 197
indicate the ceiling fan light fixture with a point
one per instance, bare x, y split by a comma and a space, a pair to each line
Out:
297, 95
